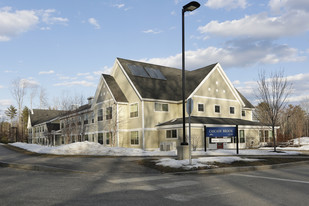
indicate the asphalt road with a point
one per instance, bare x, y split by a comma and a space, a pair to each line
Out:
123, 182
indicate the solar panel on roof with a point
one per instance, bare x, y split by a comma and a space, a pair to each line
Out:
155, 73
137, 70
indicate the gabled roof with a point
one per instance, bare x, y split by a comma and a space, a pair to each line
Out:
114, 88
161, 89
38, 116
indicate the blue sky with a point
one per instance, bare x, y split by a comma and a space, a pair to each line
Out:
64, 46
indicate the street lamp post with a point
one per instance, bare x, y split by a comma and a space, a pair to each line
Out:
188, 7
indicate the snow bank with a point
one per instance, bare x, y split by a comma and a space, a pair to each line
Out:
91, 148
200, 162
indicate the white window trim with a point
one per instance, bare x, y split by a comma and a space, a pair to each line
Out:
203, 107
138, 138
154, 107
137, 110
219, 109
171, 137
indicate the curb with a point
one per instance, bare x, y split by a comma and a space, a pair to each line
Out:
38, 168
226, 170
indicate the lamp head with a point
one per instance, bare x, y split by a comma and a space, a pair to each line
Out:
191, 6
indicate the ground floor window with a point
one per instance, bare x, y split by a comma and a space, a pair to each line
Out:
241, 136
171, 133
134, 138
261, 136
86, 137
107, 139
100, 138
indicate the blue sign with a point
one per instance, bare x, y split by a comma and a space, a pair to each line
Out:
220, 131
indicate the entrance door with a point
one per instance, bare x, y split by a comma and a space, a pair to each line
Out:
219, 145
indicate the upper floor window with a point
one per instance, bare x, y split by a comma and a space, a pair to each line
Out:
232, 110
200, 107
134, 110
92, 117
100, 114
109, 113
243, 113
217, 108
86, 119
161, 107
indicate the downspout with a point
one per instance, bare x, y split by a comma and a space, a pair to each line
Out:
117, 125
143, 126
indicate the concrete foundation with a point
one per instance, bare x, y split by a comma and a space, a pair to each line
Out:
183, 152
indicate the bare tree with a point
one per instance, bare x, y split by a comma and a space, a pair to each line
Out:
18, 91
305, 106
273, 93
43, 98
33, 93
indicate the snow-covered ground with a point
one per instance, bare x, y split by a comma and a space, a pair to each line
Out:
91, 148
304, 145
222, 155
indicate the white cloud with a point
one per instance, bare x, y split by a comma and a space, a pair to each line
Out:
49, 19
5, 102
236, 82
76, 83
1, 86
94, 22
29, 82
119, 5
233, 55
47, 72
152, 31
105, 70
285, 5
227, 4
83, 74
260, 26
13, 23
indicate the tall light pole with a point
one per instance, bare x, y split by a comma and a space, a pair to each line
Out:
188, 7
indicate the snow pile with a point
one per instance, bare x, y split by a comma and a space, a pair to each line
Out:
304, 142
205, 162
90, 148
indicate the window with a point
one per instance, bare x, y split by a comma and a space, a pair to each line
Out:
261, 136
243, 113
86, 137
100, 138
92, 117
217, 109
107, 139
171, 133
160, 107
100, 114
86, 119
134, 138
109, 111
134, 110
232, 110
242, 136
200, 107
266, 136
